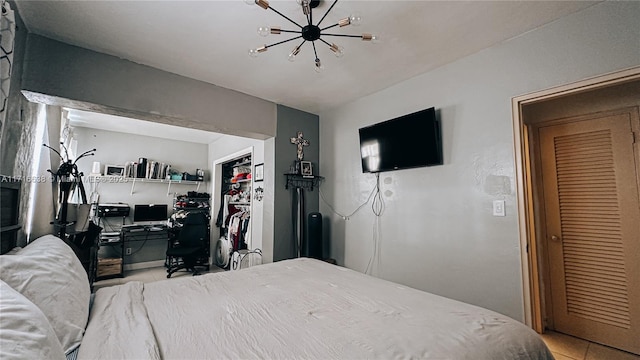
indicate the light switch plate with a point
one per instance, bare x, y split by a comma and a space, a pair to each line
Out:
498, 208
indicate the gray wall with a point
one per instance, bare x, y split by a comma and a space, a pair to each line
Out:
437, 232
290, 121
96, 81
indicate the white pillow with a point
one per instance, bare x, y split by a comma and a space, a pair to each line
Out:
25, 332
49, 274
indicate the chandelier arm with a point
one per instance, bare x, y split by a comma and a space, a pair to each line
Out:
325, 14
299, 47
314, 49
329, 27
283, 41
291, 31
329, 45
343, 35
284, 16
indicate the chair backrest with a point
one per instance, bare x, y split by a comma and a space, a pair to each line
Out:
194, 230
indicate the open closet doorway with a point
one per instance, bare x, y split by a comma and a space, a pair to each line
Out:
233, 206
578, 168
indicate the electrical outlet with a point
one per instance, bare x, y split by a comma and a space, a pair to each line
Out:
128, 251
498, 208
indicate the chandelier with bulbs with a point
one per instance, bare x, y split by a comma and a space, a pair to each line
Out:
309, 31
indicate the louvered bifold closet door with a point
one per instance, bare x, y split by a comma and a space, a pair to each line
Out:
592, 227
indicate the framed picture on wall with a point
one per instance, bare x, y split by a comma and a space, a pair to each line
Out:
113, 170
258, 172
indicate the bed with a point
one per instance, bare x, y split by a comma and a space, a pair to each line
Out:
293, 309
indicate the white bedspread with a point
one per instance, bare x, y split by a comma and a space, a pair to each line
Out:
298, 309
118, 326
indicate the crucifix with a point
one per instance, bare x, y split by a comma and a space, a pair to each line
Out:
300, 142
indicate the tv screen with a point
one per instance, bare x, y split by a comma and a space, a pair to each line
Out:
409, 141
151, 212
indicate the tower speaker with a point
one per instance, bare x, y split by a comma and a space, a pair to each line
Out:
313, 246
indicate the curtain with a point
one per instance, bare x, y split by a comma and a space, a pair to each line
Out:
7, 37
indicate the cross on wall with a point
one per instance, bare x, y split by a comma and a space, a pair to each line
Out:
299, 141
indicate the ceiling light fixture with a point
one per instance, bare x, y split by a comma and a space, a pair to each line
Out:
308, 32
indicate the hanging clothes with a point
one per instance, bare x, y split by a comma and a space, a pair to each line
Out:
226, 209
237, 229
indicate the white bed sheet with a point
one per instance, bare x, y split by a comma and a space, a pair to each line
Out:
309, 309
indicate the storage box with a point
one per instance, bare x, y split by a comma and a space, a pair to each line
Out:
189, 177
109, 266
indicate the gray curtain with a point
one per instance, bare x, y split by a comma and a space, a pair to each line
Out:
7, 39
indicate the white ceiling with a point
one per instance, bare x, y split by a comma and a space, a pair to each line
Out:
209, 40
79, 118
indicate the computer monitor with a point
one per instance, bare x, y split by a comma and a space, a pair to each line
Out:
149, 214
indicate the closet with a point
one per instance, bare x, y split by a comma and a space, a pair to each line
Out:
234, 187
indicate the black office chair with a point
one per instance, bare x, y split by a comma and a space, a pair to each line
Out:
189, 245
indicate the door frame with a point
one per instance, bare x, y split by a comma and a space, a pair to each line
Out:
528, 223
216, 188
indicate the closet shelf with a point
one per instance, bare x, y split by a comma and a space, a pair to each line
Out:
244, 163
305, 182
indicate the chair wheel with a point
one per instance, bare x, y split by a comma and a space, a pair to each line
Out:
168, 276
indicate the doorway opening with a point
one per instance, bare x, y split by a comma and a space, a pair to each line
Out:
571, 114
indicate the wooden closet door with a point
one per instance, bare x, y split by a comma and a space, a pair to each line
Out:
590, 186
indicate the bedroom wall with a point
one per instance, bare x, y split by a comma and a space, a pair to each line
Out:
62, 74
437, 232
290, 121
117, 148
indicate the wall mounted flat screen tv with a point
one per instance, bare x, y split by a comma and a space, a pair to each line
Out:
149, 213
409, 141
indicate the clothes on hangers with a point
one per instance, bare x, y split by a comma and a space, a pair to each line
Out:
222, 221
239, 227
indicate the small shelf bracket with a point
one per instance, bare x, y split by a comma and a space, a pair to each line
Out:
305, 182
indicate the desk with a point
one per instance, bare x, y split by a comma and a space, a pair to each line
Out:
144, 243
110, 259
133, 244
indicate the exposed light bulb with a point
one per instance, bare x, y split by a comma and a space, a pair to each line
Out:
355, 19
306, 9
318, 66
344, 22
338, 50
370, 37
250, 2
294, 53
255, 52
264, 30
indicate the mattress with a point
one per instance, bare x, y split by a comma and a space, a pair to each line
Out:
296, 309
